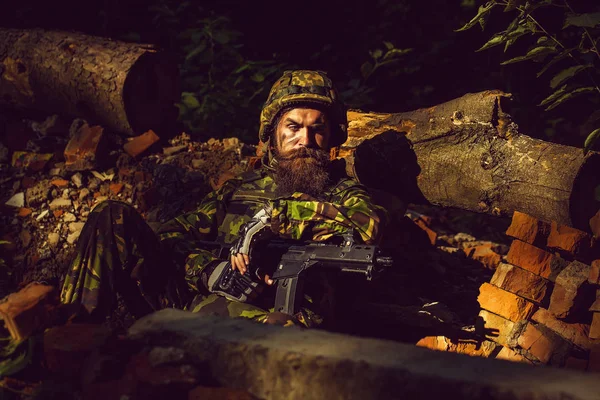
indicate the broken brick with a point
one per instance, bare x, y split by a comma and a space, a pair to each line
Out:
528, 229
571, 290
504, 304
24, 212
576, 333
29, 309
84, 148
218, 393
542, 343
520, 281
468, 347
536, 260
58, 213
498, 328
568, 239
141, 143
32, 161
60, 183
595, 326
115, 188
67, 347
485, 254
511, 355
27, 182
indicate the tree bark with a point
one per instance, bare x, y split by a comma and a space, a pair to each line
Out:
467, 153
127, 87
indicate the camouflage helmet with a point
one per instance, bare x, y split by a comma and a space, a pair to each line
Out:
304, 87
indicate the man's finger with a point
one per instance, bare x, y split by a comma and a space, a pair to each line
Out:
240, 263
233, 265
268, 280
246, 259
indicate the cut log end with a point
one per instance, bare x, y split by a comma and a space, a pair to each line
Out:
582, 201
150, 93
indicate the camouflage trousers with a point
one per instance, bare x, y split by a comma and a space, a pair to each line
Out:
118, 255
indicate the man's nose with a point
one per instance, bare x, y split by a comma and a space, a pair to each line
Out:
305, 139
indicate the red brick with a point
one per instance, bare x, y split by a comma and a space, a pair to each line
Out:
218, 393
67, 347
594, 277
540, 343
31, 308
501, 328
511, 355
24, 211
570, 290
533, 259
520, 281
573, 332
504, 304
528, 229
568, 239
31, 161
141, 143
485, 254
58, 213
471, 348
84, 148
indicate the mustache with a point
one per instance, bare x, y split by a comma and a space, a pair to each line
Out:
304, 152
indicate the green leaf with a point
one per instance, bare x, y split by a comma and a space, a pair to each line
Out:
395, 53
190, 101
566, 74
366, 69
258, 77
590, 140
197, 50
376, 54
589, 20
497, 39
481, 13
569, 96
555, 59
241, 69
388, 45
16, 356
554, 96
512, 4
533, 54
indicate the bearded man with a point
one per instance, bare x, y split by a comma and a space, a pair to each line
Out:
300, 192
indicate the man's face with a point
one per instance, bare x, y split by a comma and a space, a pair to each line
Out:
302, 127
302, 152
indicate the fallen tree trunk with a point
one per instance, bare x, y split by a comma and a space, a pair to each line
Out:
467, 153
127, 87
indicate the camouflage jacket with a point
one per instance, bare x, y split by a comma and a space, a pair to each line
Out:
222, 213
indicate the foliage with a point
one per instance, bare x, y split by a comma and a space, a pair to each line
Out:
14, 355
570, 50
222, 91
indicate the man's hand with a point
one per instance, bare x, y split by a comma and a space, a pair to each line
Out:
241, 261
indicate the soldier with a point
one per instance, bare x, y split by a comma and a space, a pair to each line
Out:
302, 194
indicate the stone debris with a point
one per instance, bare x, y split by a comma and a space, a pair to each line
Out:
85, 148
141, 143
17, 200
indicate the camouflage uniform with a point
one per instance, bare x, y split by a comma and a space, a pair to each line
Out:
118, 253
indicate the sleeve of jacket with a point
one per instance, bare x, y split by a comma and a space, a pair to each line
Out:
303, 217
179, 236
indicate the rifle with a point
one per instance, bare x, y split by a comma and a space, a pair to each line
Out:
294, 259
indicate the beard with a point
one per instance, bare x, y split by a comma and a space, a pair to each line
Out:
304, 170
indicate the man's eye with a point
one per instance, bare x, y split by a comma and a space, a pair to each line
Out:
294, 127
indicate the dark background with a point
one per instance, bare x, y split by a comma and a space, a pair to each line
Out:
230, 52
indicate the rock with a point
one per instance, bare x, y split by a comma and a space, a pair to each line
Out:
571, 290
511, 355
37, 194
141, 143
485, 254
594, 277
65, 193
33, 162
595, 326
576, 333
232, 143
53, 239
521, 282
84, 148
69, 217
58, 213
60, 203
504, 304
308, 364
42, 215
115, 188
67, 347
169, 151
471, 348
72, 237
17, 200
76, 226
24, 212
60, 183
85, 192
165, 355
77, 180
533, 259
31, 308
528, 229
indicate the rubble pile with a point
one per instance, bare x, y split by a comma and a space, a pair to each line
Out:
542, 304
47, 192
